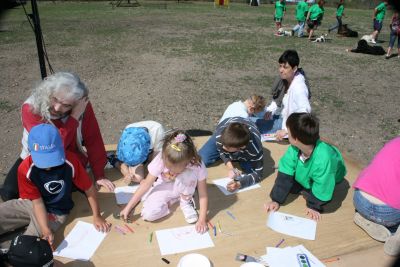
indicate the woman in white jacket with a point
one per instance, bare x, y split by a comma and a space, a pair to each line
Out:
290, 94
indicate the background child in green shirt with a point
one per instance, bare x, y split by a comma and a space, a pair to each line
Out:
301, 13
280, 9
339, 15
314, 17
309, 167
379, 15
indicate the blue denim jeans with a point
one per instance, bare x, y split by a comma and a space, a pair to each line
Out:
267, 126
299, 28
392, 40
337, 25
379, 213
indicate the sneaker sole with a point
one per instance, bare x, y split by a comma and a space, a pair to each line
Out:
374, 230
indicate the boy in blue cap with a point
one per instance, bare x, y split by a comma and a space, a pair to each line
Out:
45, 181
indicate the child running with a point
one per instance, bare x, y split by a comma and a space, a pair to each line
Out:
280, 9
173, 176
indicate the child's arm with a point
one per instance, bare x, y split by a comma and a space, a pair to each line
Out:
99, 222
39, 210
144, 186
255, 176
201, 225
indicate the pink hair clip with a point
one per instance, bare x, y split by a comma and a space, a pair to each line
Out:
179, 138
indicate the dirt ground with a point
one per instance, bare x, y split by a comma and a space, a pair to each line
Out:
147, 65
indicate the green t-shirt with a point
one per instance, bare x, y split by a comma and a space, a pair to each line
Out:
319, 173
301, 9
316, 13
279, 8
380, 12
339, 11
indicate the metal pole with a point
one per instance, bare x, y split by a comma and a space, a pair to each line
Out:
39, 40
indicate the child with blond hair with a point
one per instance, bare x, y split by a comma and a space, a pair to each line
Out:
174, 175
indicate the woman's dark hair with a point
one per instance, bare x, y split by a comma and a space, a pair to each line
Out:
291, 57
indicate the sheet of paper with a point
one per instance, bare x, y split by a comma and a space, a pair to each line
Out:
221, 184
292, 225
181, 239
124, 193
268, 137
289, 256
81, 242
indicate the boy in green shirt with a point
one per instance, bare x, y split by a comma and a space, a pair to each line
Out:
310, 167
301, 11
280, 9
339, 14
379, 15
314, 17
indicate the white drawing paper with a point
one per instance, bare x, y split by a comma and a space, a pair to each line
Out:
221, 184
181, 239
124, 193
81, 242
292, 225
289, 256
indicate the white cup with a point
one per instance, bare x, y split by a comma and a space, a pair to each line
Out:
194, 260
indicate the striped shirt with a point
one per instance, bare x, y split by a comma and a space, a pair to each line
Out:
253, 153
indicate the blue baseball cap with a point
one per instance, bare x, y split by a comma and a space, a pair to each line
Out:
45, 146
134, 146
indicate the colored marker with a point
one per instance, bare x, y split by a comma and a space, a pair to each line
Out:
230, 214
280, 243
119, 230
215, 231
330, 259
165, 260
130, 229
151, 237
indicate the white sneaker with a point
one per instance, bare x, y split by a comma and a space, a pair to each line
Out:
373, 41
188, 209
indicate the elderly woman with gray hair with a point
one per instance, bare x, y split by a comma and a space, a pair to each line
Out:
62, 100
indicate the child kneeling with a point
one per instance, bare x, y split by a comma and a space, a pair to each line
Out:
310, 167
173, 176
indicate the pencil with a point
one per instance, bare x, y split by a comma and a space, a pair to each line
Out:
119, 230
280, 243
130, 229
330, 259
230, 214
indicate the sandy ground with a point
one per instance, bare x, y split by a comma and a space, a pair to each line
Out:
355, 96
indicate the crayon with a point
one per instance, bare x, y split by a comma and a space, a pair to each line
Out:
122, 229
280, 243
130, 229
151, 237
219, 227
119, 230
165, 260
230, 214
215, 231
330, 259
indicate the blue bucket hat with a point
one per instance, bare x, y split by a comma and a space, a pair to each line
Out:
134, 146
45, 146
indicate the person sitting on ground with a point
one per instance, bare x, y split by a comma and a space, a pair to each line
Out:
245, 109
62, 100
174, 175
290, 93
140, 142
280, 10
377, 200
45, 181
394, 33
314, 17
301, 13
236, 139
379, 16
310, 167
339, 15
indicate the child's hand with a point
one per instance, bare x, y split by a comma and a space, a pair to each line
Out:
124, 214
271, 206
201, 226
233, 186
48, 235
101, 225
313, 214
103, 181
